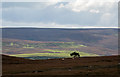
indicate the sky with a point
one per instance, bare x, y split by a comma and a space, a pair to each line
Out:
60, 14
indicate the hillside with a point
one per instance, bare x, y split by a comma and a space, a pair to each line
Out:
86, 66
43, 43
54, 34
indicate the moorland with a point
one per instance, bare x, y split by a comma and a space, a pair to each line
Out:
46, 43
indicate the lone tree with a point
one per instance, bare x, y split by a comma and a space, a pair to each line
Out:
75, 54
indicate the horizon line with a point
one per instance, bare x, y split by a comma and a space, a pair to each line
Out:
63, 27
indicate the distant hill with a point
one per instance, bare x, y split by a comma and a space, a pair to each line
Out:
54, 34
52, 41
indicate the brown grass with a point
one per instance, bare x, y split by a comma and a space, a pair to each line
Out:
106, 65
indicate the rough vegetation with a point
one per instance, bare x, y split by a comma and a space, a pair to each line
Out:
106, 65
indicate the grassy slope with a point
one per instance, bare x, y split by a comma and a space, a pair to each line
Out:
45, 52
16, 46
62, 53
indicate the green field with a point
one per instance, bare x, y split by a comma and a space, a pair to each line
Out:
44, 45
62, 53
51, 49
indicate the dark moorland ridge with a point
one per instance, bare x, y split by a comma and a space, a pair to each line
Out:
54, 34
105, 65
98, 36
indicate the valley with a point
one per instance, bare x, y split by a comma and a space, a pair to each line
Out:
47, 43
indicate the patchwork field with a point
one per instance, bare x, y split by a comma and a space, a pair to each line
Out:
54, 54
38, 49
41, 43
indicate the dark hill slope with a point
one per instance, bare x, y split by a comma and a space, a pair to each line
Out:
17, 60
13, 60
106, 65
42, 34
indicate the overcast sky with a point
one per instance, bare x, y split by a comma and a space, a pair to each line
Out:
76, 14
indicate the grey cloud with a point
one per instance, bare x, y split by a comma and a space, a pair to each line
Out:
32, 13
